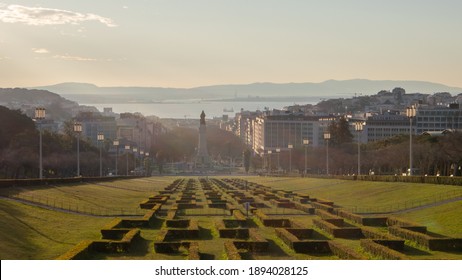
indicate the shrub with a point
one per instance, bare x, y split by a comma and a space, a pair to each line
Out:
81, 251
231, 251
381, 251
344, 252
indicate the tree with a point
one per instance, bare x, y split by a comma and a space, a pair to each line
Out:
340, 132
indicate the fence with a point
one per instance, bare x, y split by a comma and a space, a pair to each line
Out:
75, 207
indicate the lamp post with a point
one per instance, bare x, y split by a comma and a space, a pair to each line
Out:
135, 152
148, 163
78, 130
116, 144
278, 150
100, 142
141, 160
290, 146
410, 113
39, 116
359, 129
269, 157
127, 148
327, 138
306, 142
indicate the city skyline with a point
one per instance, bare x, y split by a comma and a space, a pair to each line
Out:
195, 43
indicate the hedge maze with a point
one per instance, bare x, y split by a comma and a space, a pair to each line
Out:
236, 219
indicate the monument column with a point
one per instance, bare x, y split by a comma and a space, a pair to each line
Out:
202, 157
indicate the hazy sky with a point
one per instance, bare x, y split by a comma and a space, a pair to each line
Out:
172, 43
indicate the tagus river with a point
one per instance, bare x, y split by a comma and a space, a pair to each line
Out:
192, 109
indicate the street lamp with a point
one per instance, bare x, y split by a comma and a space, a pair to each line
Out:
100, 142
116, 144
127, 148
327, 138
269, 156
359, 128
290, 146
148, 163
410, 113
278, 150
306, 142
135, 152
39, 116
78, 130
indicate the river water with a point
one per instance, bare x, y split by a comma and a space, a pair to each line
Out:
193, 108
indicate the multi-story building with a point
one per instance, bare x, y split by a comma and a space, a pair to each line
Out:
94, 123
386, 125
438, 118
279, 131
133, 129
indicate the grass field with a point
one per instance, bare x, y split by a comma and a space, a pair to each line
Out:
31, 232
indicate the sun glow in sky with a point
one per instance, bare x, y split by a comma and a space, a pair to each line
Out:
173, 43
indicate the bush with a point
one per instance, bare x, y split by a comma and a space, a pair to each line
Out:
81, 251
381, 251
231, 251
344, 252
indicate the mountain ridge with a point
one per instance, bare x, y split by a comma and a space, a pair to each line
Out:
89, 93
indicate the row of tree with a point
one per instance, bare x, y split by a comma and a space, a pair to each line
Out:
19, 152
432, 155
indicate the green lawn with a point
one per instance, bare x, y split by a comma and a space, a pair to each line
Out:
359, 193
443, 219
28, 232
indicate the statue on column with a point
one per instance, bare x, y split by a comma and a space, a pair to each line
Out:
202, 117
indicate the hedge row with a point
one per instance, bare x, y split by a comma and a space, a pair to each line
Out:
84, 249
345, 232
221, 205
382, 251
192, 232
443, 180
344, 252
81, 251
301, 233
239, 216
194, 251
372, 233
231, 251
333, 219
188, 206
435, 244
322, 206
305, 208
366, 221
179, 223
300, 199
394, 221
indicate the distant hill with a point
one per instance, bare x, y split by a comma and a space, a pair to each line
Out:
89, 93
58, 107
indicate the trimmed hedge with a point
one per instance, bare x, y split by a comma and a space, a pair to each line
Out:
81, 251
382, 251
180, 223
194, 251
345, 232
344, 252
305, 208
432, 243
395, 221
231, 251
328, 217
372, 233
366, 221
322, 206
